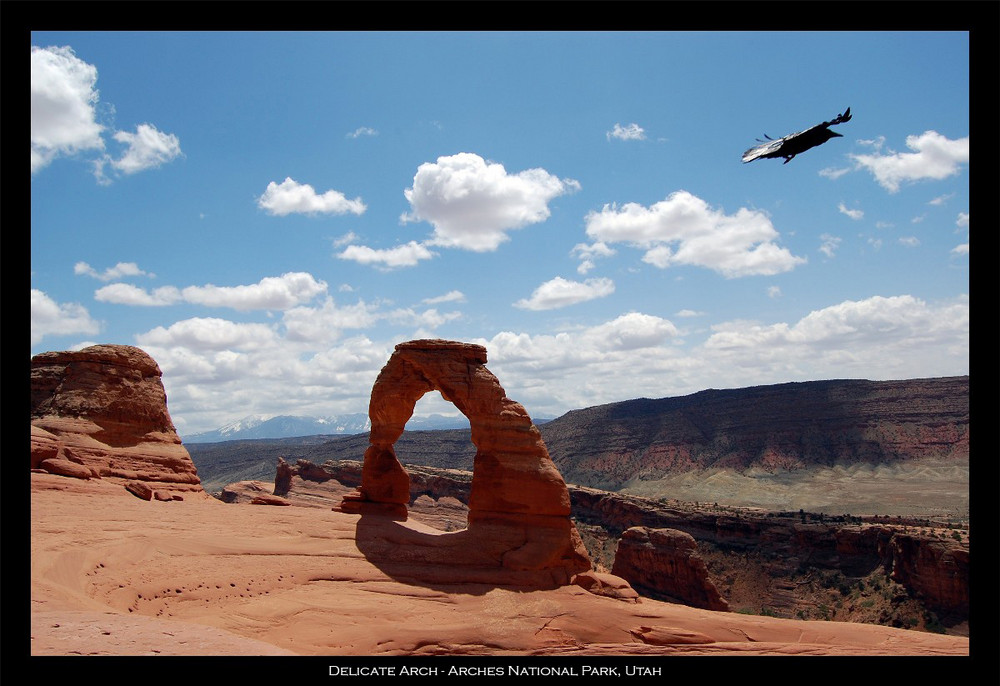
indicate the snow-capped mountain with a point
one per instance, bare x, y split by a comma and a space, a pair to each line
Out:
290, 426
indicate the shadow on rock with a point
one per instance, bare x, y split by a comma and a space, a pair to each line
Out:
494, 551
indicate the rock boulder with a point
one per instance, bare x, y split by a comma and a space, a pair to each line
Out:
104, 408
666, 561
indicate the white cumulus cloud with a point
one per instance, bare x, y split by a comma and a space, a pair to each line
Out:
49, 318
210, 333
834, 172
327, 321
853, 214
875, 323
270, 293
211, 365
120, 270
588, 253
560, 292
362, 131
629, 132
424, 321
829, 244
449, 297
292, 197
63, 105
963, 223
632, 331
934, 157
472, 203
406, 255
128, 294
896, 337
64, 101
147, 148
683, 229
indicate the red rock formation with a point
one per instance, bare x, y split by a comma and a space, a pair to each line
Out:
268, 499
244, 491
139, 489
104, 409
518, 502
782, 426
57, 465
934, 569
666, 561
938, 570
44, 446
608, 585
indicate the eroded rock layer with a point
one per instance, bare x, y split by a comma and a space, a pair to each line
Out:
101, 412
518, 502
666, 561
775, 427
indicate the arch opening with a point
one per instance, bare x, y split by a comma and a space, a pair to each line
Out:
438, 499
433, 412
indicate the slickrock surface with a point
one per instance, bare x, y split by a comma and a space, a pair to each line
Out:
519, 505
101, 412
115, 575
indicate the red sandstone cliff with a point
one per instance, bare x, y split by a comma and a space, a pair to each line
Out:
783, 426
666, 561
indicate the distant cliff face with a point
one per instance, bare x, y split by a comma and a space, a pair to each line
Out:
785, 426
819, 423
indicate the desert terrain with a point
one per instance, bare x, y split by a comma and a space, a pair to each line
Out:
112, 574
130, 556
934, 488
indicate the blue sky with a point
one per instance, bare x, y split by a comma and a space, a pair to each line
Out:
268, 214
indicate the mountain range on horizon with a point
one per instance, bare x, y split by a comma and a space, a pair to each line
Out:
257, 426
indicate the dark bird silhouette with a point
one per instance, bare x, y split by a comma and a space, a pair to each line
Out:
795, 143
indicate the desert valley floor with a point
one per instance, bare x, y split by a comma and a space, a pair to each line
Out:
112, 574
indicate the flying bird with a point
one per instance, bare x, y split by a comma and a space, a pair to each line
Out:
795, 143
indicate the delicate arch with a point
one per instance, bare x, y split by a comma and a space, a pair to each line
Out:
512, 473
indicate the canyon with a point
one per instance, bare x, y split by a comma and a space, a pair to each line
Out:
131, 556
898, 571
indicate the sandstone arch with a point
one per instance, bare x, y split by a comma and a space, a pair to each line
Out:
517, 499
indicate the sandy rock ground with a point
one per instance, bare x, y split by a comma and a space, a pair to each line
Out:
115, 575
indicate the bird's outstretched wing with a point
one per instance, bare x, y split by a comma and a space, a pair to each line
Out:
808, 138
839, 119
764, 149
